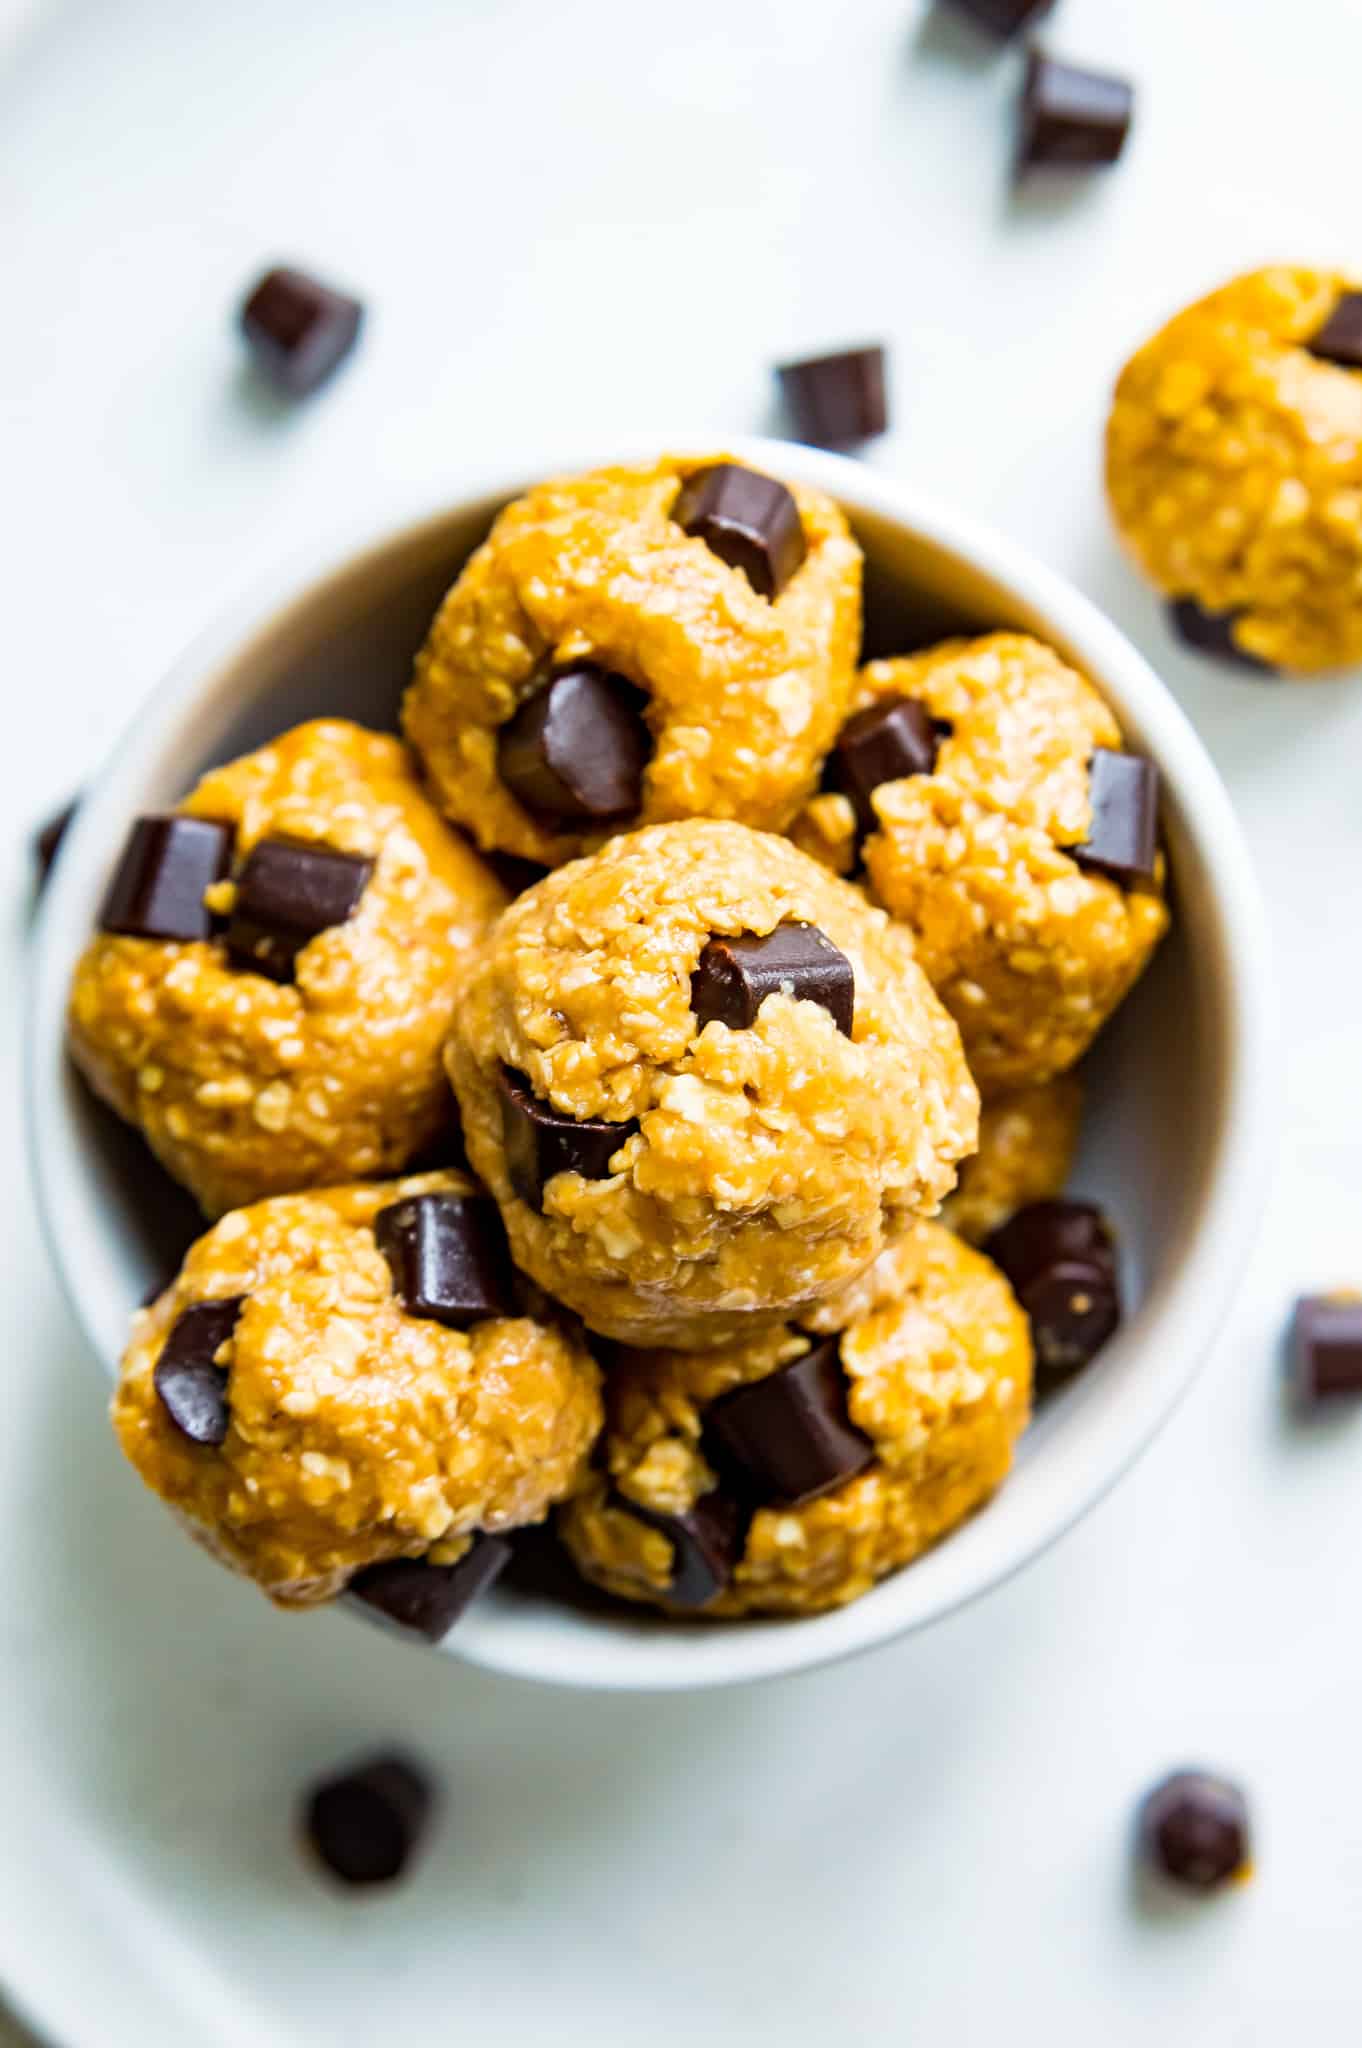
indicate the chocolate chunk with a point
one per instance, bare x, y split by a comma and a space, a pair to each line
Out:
733, 977
1072, 119
299, 329
748, 520
48, 839
578, 747
790, 1433
365, 1824
448, 1257
157, 890
1326, 1348
884, 743
706, 1542
1194, 1831
1212, 633
836, 400
514, 874
1123, 835
1339, 340
1004, 17
429, 1598
286, 893
1061, 1262
190, 1386
540, 1141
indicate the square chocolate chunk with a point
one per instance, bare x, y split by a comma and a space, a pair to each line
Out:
1326, 1348
299, 329
158, 888
288, 892
1072, 119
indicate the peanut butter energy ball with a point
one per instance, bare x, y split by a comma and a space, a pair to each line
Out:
1234, 469
341, 1380
985, 786
705, 1081
276, 968
792, 1469
636, 645
1027, 1142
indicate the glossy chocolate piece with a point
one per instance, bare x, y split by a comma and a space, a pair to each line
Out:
48, 838
287, 892
1194, 1831
1326, 1348
706, 1541
426, 1598
1212, 633
1123, 835
157, 889
733, 977
836, 400
790, 1434
884, 743
299, 329
748, 520
541, 1142
1061, 1262
578, 748
1072, 119
1339, 340
189, 1385
1003, 17
365, 1824
448, 1257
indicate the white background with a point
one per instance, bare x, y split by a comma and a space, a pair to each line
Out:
574, 223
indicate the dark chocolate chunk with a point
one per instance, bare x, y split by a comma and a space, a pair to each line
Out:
365, 1824
1004, 17
578, 747
1072, 119
748, 520
540, 1141
190, 1386
157, 890
884, 743
299, 329
1339, 340
429, 1598
449, 1258
286, 893
1326, 1348
1123, 835
1061, 1262
733, 977
706, 1542
790, 1434
1194, 1831
836, 400
1212, 633
48, 839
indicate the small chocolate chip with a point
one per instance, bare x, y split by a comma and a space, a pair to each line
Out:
836, 400
1123, 834
578, 747
748, 520
1212, 633
429, 1598
365, 1824
1194, 1831
157, 890
541, 1142
47, 840
790, 1434
449, 1258
1326, 1348
1072, 119
299, 329
1339, 340
887, 741
1004, 17
287, 892
733, 977
707, 1541
190, 1386
1061, 1262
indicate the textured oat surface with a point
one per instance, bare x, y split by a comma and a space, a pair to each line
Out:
744, 694
769, 1161
937, 1356
358, 1432
1026, 1146
1234, 467
246, 1087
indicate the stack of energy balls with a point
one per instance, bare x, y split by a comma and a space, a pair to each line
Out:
716, 1070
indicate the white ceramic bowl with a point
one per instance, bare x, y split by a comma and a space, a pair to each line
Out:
1182, 1098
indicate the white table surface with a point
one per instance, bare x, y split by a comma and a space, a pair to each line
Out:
574, 223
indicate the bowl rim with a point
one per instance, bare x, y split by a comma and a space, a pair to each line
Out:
1185, 1305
